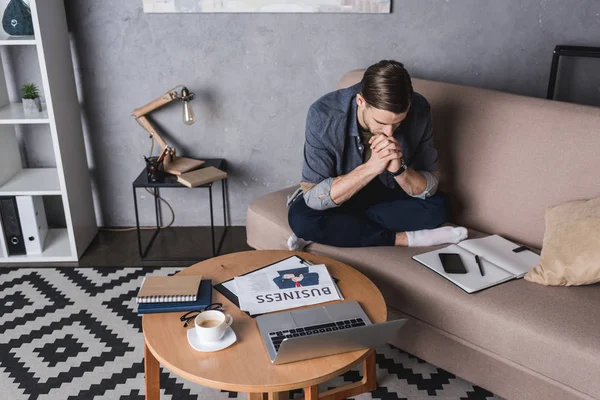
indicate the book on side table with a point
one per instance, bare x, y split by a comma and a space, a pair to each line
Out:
499, 262
201, 176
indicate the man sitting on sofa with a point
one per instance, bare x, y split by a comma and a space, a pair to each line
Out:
370, 170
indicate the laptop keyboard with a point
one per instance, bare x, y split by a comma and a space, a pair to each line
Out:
278, 336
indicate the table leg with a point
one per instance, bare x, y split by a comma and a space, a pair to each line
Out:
152, 375
144, 252
257, 396
278, 396
225, 214
212, 222
367, 384
158, 207
223, 184
311, 393
370, 372
269, 396
553, 75
137, 222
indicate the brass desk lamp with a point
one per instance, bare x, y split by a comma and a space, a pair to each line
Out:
172, 164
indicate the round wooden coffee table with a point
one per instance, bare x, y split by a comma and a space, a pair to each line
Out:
245, 366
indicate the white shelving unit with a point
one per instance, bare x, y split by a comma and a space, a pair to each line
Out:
13, 114
70, 178
6, 40
33, 182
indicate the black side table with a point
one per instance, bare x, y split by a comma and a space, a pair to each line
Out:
567, 51
170, 181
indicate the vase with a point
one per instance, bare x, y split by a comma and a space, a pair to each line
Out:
17, 19
32, 105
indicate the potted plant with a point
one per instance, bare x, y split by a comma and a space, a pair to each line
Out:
31, 98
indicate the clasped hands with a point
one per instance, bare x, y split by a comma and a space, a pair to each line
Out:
386, 154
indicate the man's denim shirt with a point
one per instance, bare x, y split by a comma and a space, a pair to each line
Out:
333, 146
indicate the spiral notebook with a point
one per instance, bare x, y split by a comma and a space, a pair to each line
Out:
167, 289
204, 299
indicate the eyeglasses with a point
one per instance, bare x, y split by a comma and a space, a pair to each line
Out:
190, 316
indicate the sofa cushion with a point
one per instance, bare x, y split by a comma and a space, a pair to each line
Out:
267, 223
571, 252
538, 327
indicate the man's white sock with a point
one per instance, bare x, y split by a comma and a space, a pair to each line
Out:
432, 237
295, 243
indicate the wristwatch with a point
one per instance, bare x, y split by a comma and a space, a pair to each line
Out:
403, 168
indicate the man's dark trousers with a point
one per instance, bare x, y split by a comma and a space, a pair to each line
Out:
372, 217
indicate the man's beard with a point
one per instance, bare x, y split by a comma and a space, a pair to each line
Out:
366, 130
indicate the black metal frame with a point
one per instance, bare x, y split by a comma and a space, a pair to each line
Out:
141, 183
567, 51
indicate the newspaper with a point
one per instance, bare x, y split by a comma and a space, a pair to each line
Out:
277, 289
287, 263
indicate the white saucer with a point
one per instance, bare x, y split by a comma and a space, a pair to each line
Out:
227, 340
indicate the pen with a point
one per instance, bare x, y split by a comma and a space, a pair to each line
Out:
480, 265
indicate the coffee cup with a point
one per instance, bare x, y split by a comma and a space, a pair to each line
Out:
211, 325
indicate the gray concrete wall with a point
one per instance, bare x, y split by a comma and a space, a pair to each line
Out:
255, 76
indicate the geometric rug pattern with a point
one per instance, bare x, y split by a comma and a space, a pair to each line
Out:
73, 333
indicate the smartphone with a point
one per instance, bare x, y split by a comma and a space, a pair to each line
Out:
452, 263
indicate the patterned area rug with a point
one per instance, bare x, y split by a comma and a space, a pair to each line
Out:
74, 334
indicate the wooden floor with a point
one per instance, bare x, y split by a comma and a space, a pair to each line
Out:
120, 249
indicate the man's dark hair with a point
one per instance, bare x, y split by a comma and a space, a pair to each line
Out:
387, 86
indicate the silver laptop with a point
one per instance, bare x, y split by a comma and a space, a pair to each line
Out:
322, 331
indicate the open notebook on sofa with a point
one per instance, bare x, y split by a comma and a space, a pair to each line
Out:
500, 263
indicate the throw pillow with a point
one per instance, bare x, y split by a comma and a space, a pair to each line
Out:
571, 250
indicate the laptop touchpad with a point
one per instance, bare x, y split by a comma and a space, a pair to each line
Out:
311, 316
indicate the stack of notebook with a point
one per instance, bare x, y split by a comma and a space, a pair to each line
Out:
160, 294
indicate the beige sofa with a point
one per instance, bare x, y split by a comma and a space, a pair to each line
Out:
504, 158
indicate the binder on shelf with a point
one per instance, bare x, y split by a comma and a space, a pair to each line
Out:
34, 224
9, 214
